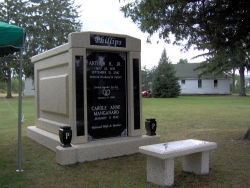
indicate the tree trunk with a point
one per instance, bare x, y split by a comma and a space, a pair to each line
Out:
242, 81
9, 95
247, 134
233, 81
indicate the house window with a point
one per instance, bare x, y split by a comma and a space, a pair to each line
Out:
215, 83
183, 81
199, 83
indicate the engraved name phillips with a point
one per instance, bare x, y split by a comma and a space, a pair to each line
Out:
110, 41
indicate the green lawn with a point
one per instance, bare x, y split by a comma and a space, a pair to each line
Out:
220, 119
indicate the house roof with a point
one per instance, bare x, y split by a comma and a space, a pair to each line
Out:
187, 71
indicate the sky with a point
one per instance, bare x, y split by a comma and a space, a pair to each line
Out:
105, 16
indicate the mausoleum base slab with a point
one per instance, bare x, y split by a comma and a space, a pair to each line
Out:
93, 150
44, 138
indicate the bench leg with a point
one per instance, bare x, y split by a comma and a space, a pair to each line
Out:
159, 171
197, 163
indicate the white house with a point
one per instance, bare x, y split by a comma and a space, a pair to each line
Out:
191, 84
29, 89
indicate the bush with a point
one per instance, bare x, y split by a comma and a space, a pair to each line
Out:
3, 85
2, 91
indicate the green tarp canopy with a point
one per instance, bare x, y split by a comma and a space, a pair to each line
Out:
11, 38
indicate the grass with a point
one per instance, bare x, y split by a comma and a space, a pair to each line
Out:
221, 119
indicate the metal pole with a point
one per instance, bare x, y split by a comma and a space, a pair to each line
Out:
20, 113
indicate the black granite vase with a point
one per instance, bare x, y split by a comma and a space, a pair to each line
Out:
65, 135
150, 125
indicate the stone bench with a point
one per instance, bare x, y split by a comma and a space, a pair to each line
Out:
160, 159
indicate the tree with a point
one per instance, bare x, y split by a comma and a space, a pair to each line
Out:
237, 84
8, 69
227, 60
247, 134
165, 83
183, 61
47, 24
2, 86
15, 84
217, 25
146, 77
13, 12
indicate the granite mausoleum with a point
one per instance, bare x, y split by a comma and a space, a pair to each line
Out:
92, 84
